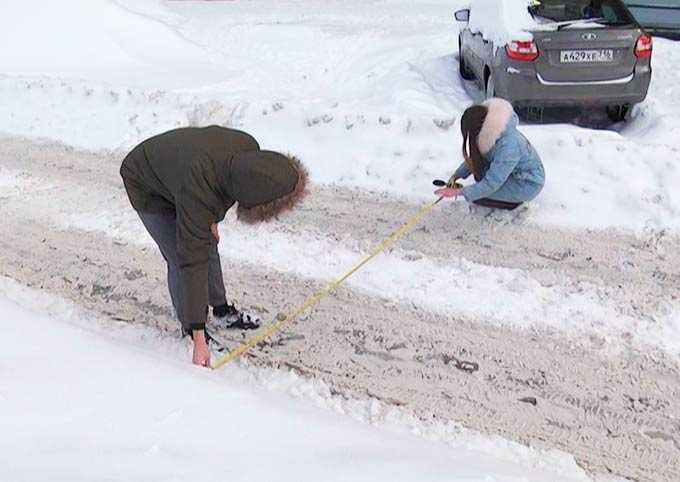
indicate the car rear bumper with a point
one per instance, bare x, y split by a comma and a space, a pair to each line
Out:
524, 86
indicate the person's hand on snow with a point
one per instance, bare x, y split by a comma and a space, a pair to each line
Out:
201, 352
215, 232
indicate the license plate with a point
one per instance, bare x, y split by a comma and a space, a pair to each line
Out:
582, 56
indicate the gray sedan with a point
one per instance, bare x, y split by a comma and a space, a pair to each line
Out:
585, 53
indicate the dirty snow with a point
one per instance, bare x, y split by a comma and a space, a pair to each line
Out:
86, 403
499, 296
367, 97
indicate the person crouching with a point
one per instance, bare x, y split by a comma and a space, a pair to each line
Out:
507, 169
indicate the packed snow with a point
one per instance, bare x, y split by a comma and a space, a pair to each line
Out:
81, 402
519, 300
366, 94
502, 21
365, 102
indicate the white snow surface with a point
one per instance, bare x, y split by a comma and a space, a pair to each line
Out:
96, 40
366, 93
80, 404
502, 21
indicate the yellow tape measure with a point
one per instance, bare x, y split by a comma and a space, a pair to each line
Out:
319, 295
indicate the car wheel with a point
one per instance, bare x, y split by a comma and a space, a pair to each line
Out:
490, 87
619, 113
465, 72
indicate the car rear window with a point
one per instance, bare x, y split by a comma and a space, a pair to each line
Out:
610, 11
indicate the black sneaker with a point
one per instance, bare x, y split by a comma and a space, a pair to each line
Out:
226, 311
228, 316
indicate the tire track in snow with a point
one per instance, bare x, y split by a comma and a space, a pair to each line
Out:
613, 288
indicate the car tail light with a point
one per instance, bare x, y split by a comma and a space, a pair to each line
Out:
525, 51
643, 47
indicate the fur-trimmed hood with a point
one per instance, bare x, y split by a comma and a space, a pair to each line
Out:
265, 184
512, 170
499, 118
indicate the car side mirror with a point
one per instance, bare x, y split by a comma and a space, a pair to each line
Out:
463, 15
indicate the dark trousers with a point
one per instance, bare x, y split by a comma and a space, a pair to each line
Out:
162, 228
495, 204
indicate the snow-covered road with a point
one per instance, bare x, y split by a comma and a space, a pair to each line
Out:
597, 361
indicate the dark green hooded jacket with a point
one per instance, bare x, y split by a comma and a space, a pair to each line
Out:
199, 173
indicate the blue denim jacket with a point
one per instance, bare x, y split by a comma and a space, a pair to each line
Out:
514, 169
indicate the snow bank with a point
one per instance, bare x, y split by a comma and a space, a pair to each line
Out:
502, 21
367, 95
95, 40
152, 417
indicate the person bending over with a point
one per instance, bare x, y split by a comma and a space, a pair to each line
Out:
506, 167
182, 183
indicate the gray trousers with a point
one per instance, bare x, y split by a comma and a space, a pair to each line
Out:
162, 228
